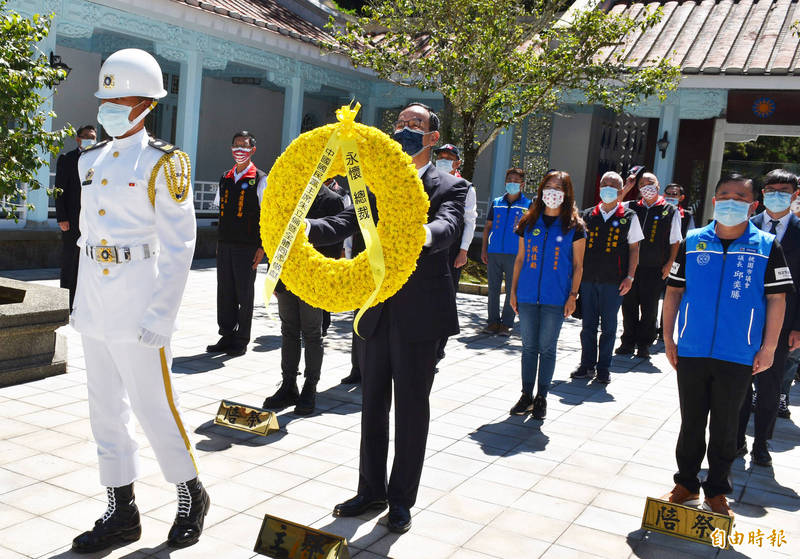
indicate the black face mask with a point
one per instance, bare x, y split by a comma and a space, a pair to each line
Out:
410, 140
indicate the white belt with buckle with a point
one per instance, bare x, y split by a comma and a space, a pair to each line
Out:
119, 255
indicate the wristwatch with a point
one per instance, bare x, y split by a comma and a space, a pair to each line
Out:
630, 278
573, 293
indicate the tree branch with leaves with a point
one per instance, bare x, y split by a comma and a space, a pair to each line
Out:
25, 78
495, 62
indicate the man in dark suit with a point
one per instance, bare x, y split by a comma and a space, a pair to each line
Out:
780, 188
68, 207
401, 335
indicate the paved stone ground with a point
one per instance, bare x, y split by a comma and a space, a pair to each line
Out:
493, 485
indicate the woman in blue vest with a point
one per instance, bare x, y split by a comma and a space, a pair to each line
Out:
547, 276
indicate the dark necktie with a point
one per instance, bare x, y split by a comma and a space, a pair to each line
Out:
773, 226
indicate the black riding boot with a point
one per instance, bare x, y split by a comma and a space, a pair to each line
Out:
285, 396
119, 525
193, 503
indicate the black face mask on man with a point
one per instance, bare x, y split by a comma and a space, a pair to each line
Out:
410, 140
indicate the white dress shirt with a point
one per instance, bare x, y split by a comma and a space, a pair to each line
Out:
780, 228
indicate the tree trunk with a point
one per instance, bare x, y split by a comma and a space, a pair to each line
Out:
446, 129
470, 149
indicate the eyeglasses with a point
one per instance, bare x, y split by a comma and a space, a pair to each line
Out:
413, 123
673, 193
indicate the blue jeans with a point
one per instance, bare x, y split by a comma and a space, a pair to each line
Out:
500, 265
539, 327
600, 304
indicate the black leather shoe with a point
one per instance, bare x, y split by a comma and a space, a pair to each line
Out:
236, 350
539, 408
582, 372
193, 504
353, 378
306, 402
359, 505
643, 352
222, 346
284, 397
603, 377
118, 526
760, 455
624, 350
399, 520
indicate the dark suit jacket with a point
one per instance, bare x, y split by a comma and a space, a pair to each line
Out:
425, 307
68, 203
791, 250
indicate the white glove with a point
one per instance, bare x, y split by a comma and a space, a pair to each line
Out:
151, 339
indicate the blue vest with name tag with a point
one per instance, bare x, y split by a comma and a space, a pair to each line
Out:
502, 239
723, 310
546, 274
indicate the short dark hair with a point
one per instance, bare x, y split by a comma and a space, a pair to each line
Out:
516, 171
780, 176
735, 177
245, 134
433, 118
675, 185
84, 128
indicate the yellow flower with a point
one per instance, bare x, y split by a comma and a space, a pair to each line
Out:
343, 285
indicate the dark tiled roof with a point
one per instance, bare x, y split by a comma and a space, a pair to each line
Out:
267, 14
744, 37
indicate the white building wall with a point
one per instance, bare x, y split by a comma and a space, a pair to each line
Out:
74, 100
227, 108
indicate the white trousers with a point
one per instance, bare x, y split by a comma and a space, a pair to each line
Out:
125, 377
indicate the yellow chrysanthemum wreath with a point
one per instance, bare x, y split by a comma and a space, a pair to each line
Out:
343, 285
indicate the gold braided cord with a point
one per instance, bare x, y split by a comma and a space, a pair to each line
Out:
177, 184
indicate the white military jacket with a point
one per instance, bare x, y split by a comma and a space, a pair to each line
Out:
150, 222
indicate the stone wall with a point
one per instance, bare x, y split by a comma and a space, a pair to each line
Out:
22, 249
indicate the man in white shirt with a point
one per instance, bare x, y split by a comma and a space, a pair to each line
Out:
448, 160
609, 266
238, 246
661, 227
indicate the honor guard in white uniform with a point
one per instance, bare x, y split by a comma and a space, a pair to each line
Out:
137, 241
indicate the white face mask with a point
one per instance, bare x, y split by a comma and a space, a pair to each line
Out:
795, 206
115, 118
86, 143
649, 191
444, 165
552, 198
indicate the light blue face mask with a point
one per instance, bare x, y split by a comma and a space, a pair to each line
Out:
444, 165
731, 212
115, 118
512, 188
672, 201
777, 202
608, 194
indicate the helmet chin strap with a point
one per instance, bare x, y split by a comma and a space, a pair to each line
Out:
139, 118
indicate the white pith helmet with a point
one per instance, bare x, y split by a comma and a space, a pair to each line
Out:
130, 73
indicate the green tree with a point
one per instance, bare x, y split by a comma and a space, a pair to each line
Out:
497, 61
25, 77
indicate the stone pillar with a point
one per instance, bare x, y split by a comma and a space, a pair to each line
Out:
292, 109
669, 122
370, 112
714, 169
501, 160
189, 99
37, 217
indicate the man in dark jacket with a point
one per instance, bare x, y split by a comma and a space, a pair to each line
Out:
238, 246
401, 335
299, 319
780, 187
68, 207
